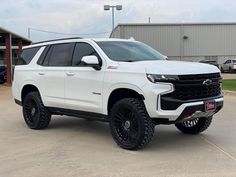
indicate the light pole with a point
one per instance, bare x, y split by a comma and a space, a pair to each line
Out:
117, 7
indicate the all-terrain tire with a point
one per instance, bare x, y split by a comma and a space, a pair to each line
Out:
35, 114
131, 127
195, 126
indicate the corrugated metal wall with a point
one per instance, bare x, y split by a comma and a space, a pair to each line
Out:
162, 38
210, 40
202, 39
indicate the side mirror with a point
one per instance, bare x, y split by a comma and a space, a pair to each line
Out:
92, 61
164, 56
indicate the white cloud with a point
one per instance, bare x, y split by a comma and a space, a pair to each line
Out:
88, 16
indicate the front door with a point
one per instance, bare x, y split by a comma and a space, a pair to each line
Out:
83, 84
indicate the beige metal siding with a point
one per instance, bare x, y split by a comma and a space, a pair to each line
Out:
164, 39
210, 40
203, 39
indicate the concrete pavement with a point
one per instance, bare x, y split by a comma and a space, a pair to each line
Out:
77, 147
229, 76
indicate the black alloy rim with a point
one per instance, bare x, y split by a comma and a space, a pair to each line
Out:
126, 125
32, 110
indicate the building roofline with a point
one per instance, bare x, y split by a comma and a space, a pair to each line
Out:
173, 24
14, 34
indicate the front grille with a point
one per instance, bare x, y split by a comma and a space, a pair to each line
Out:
190, 87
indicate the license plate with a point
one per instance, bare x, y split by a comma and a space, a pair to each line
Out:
210, 105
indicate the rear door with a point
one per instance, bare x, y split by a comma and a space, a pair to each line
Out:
51, 73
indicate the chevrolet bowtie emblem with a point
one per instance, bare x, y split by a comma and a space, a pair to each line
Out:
207, 82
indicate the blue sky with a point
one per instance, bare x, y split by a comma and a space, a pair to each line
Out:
88, 16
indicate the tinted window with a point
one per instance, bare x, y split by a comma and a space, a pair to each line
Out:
60, 55
129, 51
234, 61
27, 55
43, 55
227, 61
81, 50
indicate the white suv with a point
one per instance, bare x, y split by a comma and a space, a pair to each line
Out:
229, 66
124, 82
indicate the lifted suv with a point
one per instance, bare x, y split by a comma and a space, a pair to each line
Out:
124, 82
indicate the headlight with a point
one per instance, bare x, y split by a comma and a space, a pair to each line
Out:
161, 78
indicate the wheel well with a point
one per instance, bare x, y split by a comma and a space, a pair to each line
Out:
119, 94
27, 89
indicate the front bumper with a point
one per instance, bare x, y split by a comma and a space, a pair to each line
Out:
198, 111
175, 113
191, 109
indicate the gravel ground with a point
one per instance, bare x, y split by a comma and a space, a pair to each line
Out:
72, 147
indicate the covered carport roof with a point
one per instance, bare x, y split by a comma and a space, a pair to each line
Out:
14, 36
9, 39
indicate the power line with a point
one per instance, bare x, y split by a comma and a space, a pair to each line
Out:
72, 34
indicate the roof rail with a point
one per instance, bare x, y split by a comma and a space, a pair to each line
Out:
57, 40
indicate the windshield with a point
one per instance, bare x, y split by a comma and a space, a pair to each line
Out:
129, 51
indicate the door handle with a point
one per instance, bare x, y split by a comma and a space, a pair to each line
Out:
70, 74
41, 73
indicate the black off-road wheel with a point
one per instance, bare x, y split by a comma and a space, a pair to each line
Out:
194, 126
35, 114
130, 124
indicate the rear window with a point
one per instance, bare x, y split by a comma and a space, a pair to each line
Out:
234, 61
59, 55
27, 55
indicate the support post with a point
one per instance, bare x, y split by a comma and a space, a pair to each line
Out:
19, 47
8, 57
113, 18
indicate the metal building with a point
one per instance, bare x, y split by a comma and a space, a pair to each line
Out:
10, 48
185, 41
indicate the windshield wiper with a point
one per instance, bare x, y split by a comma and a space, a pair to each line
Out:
127, 61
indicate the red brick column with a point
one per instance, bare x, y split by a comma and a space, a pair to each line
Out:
8, 57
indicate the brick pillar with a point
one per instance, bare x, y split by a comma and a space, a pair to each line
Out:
8, 57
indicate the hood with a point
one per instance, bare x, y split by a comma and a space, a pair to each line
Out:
174, 67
